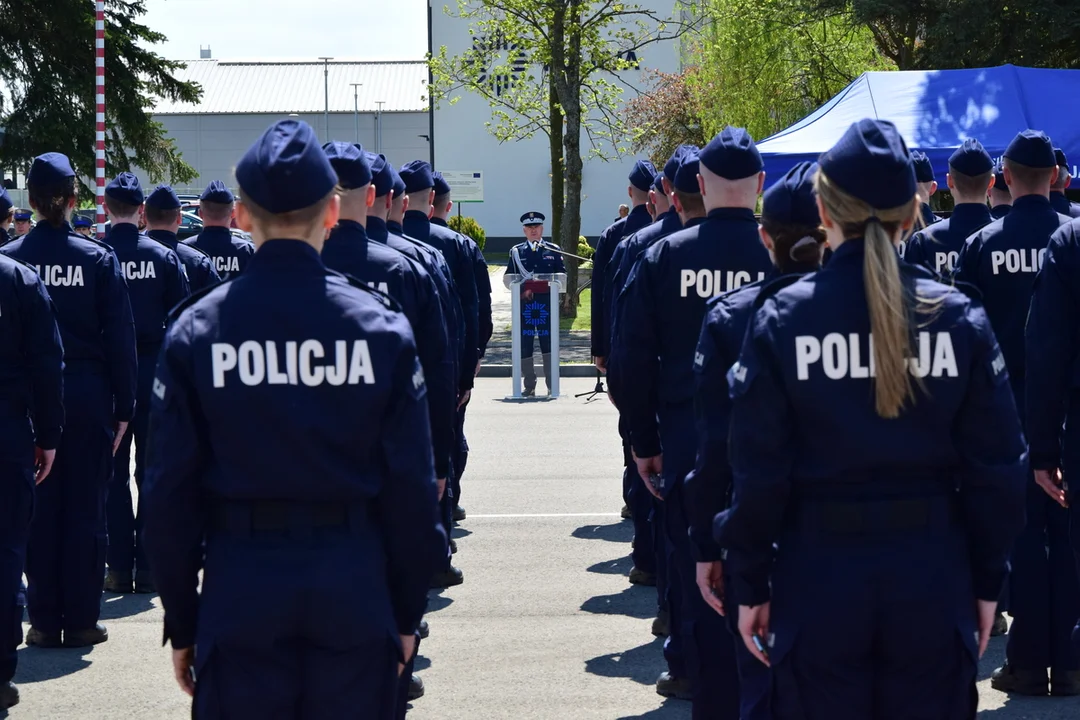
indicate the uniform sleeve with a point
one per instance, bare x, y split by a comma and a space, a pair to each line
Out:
465, 281
407, 504
118, 333
172, 499
915, 253
994, 472
600, 330
45, 359
761, 449
209, 275
637, 346
176, 282
708, 485
435, 354
967, 266
1052, 348
485, 325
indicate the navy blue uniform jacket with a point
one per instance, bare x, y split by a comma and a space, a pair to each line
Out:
93, 310
230, 254
484, 325
937, 248
1062, 204
804, 426
289, 383
198, 266
605, 248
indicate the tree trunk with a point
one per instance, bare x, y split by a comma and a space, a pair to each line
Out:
569, 91
555, 141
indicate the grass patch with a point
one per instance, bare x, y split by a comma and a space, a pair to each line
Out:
583, 321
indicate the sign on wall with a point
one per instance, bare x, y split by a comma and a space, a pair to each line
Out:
466, 186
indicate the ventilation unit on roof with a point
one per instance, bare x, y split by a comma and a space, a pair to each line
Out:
204, 53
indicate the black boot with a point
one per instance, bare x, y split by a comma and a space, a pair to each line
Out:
43, 640
447, 578
459, 513
1064, 683
640, 577
85, 638
424, 629
416, 688
118, 582
9, 696
661, 623
673, 687
1009, 679
144, 584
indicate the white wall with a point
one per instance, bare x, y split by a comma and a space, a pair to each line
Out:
212, 144
517, 174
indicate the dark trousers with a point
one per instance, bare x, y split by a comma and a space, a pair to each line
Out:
1044, 598
755, 680
65, 556
461, 453
296, 627
125, 552
16, 509
640, 502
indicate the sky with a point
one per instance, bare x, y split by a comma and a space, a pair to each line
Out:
271, 29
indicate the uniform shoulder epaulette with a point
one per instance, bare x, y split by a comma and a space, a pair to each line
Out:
197, 249
771, 287
22, 262
100, 243
389, 302
194, 298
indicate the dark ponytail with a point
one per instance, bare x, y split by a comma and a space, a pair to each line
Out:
796, 248
51, 201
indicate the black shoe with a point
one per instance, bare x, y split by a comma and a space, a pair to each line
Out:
668, 686
118, 582
453, 547
1065, 684
528, 392
1008, 679
85, 638
660, 624
144, 585
640, 577
447, 578
424, 629
416, 688
459, 513
625, 513
43, 640
1001, 626
9, 696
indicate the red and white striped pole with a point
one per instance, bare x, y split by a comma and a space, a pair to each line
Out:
99, 101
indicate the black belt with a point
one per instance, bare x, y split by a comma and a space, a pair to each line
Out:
284, 515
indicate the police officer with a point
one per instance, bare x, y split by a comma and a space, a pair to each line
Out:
1061, 184
23, 222
163, 220
81, 225
31, 416
878, 465
641, 182
971, 175
527, 259
791, 231
1002, 260
660, 319
7, 214
1051, 355
229, 253
1000, 198
442, 206
156, 284
924, 177
324, 539
65, 557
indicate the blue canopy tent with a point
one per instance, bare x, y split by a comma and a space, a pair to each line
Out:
937, 110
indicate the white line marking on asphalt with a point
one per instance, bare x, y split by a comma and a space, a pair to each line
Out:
541, 515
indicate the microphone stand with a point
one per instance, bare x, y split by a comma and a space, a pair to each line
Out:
598, 390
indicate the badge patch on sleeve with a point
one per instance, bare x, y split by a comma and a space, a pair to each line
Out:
995, 365
741, 375
159, 389
417, 385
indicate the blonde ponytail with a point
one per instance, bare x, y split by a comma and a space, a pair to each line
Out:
889, 307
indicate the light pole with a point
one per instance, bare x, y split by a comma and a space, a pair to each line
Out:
378, 126
356, 108
326, 89
99, 107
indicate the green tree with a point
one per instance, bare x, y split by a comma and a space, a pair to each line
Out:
552, 67
47, 68
764, 64
667, 115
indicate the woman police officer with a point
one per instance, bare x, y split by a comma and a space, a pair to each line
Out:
878, 466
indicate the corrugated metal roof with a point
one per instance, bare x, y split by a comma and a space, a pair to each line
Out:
231, 87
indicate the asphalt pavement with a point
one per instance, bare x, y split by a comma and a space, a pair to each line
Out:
545, 626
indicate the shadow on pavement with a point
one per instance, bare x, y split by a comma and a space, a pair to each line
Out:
619, 566
642, 664
670, 710
114, 606
458, 532
37, 665
621, 532
437, 602
421, 663
634, 601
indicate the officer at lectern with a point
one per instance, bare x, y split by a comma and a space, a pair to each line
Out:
528, 259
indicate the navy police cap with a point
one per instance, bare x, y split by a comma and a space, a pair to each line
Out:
999, 176
126, 188
81, 221
399, 184
163, 198
382, 174
286, 169
686, 177
5, 202
658, 183
533, 218
350, 164
672, 165
642, 175
1059, 155
924, 169
871, 162
792, 200
732, 154
1033, 149
23, 215
49, 169
216, 192
971, 159
417, 176
440, 185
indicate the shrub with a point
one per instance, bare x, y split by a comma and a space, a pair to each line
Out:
584, 249
468, 226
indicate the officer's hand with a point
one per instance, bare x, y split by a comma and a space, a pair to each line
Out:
600, 363
710, 581
986, 610
477, 370
121, 430
647, 467
465, 397
441, 482
528, 295
183, 662
43, 462
408, 649
1050, 482
754, 622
